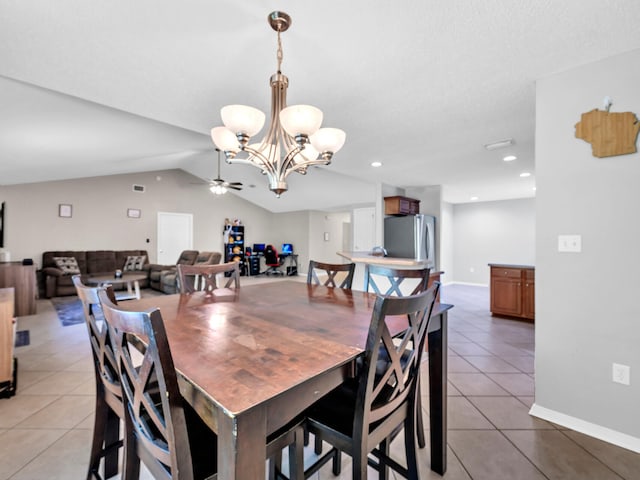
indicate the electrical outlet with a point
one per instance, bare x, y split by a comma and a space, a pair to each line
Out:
570, 243
621, 374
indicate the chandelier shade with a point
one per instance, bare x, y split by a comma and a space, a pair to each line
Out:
293, 140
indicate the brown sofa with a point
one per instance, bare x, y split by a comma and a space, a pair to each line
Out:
93, 262
164, 277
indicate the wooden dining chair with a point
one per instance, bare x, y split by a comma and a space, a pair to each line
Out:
363, 415
162, 429
343, 270
109, 410
374, 277
194, 278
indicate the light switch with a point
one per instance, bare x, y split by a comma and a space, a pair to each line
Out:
570, 243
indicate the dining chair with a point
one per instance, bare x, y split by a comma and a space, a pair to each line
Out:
363, 415
194, 278
375, 275
109, 410
162, 429
331, 270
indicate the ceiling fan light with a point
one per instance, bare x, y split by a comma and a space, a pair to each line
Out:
242, 119
218, 189
328, 140
301, 120
224, 139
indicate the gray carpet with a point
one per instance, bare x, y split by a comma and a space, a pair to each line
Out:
69, 310
22, 338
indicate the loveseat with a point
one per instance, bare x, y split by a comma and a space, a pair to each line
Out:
57, 268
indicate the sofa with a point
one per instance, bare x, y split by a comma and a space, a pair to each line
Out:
165, 277
58, 268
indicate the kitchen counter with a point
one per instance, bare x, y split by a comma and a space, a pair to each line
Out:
366, 257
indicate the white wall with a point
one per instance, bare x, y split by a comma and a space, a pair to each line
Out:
99, 221
333, 224
587, 309
492, 232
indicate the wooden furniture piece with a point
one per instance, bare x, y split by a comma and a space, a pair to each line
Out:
364, 414
109, 412
195, 278
162, 429
374, 274
235, 369
23, 279
399, 205
234, 246
513, 290
8, 366
343, 270
132, 282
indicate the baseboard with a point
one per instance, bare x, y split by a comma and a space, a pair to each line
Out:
468, 284
597, 431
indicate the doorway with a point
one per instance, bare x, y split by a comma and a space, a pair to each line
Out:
175, 234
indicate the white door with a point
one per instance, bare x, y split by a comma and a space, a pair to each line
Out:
175, 234
364, 229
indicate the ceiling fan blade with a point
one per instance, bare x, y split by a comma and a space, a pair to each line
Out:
234, 188
237, 184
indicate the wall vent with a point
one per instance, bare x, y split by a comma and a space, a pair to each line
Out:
138, 188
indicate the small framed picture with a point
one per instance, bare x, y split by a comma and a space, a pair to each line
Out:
65, 210
133, 213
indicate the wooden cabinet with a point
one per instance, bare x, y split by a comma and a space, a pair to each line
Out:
23, 279
513, 291
401, 206
7, 335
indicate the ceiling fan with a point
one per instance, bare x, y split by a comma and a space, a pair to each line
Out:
218, 186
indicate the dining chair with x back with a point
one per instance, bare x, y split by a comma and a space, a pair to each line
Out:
331, 274
194, 278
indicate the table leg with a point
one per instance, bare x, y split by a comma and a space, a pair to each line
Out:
136, 287
242, 445
438, 395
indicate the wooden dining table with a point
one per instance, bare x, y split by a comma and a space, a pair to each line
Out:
252, 360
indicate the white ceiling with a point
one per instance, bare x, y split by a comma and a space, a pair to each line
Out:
96, 88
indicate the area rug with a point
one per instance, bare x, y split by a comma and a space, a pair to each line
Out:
69, 310
22, 338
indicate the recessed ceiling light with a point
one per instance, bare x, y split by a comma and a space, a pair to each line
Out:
534, 189
509, 158
525, 174
376, 164
499, 144
473, 199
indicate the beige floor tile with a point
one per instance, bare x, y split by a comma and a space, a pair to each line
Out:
69, 454
622, 461
59, 383
27, 378
85, 388
488, 455
463, 415
514, 383
460, 365
524, 363
20, 446
65, 412
559, 457
16, 409
490, 364
468, 348
508, 413
476, 384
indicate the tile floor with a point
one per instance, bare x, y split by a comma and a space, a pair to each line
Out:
45, 430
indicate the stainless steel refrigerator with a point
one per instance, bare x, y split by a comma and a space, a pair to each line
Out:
411, 236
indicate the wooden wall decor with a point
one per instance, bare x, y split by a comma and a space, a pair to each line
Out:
609, 133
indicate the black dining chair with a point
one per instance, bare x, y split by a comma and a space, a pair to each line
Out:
362, 416
162, 429
344, 272
109, 410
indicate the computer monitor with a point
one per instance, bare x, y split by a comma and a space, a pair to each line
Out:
287, 249
258, 248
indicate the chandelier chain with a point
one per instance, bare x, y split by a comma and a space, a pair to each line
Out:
279, 54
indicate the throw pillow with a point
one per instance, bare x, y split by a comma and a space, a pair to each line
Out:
134, 263
68, 265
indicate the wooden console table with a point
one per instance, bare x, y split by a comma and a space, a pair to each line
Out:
23, 280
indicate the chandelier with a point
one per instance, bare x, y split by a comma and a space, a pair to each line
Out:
294, 140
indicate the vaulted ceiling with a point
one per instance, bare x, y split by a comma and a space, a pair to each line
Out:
97, 88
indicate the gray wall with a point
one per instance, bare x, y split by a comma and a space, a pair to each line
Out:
587, 309
491, 232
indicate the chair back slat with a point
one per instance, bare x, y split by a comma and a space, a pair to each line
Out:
194, 278
375, 274
331, 270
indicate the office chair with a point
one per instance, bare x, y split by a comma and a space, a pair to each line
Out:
272, 260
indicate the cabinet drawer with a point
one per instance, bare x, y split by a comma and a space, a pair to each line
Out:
506, 273
530, 275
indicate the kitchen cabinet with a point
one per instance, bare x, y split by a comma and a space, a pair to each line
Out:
512, 291
401, 206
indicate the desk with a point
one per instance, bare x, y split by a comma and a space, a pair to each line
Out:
250, 362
